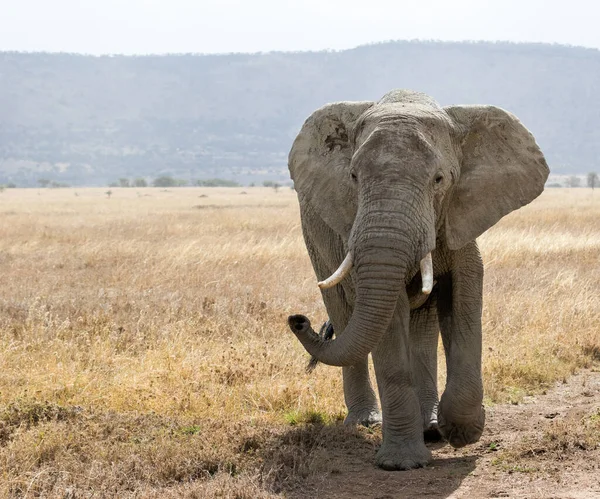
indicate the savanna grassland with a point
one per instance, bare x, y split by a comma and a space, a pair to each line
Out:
144, 350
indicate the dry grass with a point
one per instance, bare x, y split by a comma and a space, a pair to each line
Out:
541, 303
144, 347
559, 443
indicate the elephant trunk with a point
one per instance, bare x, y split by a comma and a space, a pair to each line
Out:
384, 252
377, 295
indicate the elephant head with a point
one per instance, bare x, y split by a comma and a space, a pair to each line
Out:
396, 177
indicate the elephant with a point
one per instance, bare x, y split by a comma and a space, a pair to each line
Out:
392, 196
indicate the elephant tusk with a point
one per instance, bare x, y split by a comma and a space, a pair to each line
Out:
427, 274
339, 274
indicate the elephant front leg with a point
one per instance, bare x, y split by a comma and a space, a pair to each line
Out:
461, 416
424, 335
358, 393
403, 446
359, 396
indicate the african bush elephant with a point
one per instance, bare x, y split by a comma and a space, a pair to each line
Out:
393, 194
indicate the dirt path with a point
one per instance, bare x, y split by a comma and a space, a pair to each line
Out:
533, 450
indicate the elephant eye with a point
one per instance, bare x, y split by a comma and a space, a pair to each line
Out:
353, 175
439, 178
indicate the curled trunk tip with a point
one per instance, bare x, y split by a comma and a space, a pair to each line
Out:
298, 323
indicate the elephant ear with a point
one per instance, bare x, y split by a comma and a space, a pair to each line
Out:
502, 169
319, 163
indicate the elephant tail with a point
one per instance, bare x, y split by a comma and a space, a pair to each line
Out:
325, 333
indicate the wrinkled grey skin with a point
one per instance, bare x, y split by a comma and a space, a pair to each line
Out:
392, 181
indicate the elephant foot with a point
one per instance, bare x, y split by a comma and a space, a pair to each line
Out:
431, 431
432, 435
461, 431
365, 417
404, 456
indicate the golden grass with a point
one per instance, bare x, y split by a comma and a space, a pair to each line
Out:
563, 438
144, 343
541, 300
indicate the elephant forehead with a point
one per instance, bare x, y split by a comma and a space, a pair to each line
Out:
390, 144
400, 120
421, 111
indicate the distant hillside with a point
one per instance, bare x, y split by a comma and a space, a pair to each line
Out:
90, 120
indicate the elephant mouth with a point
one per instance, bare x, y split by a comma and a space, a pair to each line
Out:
426, 266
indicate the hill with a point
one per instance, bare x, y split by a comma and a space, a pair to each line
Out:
90, 120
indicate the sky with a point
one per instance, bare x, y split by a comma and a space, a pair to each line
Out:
223, 26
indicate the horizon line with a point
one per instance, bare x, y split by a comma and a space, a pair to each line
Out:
301, 51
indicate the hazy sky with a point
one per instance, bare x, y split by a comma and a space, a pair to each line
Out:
214, 26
